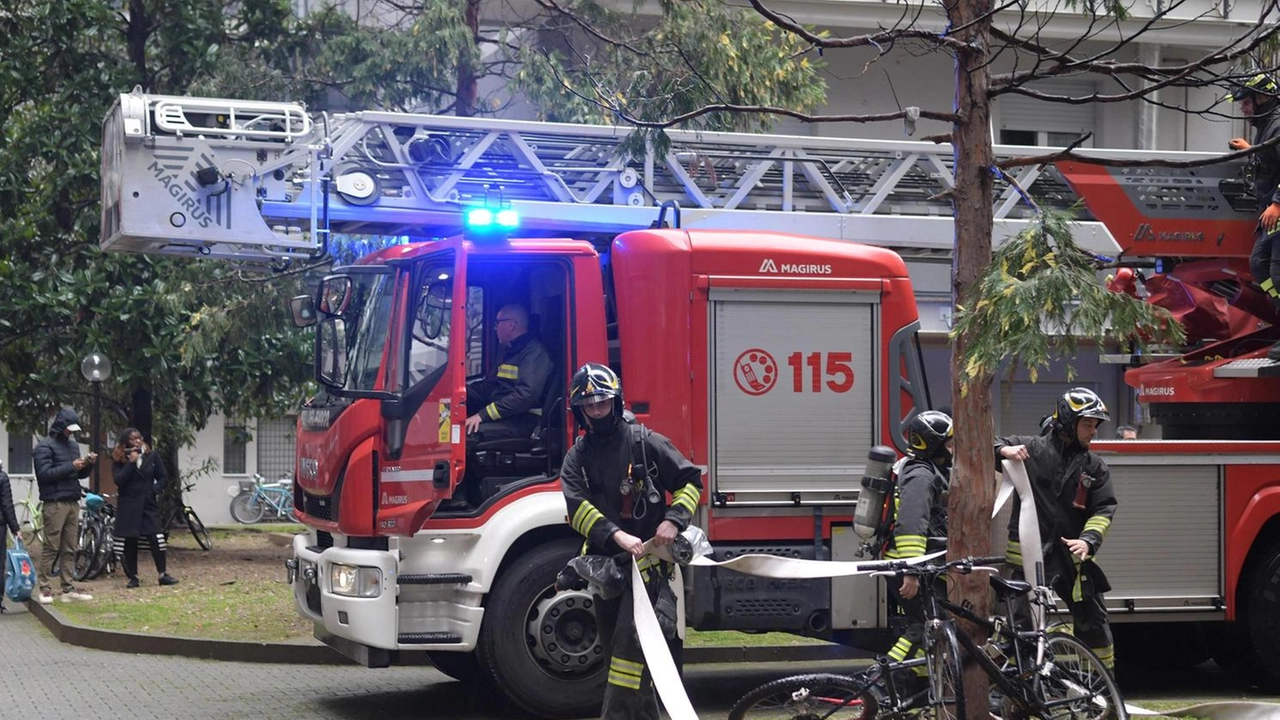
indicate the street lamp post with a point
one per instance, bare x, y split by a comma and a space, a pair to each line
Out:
96, 368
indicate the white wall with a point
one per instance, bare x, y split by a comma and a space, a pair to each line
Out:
209, 497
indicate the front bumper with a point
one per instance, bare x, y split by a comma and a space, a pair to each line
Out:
409, 617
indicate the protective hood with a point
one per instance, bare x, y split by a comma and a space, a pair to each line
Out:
66, 419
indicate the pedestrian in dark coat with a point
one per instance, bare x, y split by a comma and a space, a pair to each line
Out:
140, 475
10, 519
59, 470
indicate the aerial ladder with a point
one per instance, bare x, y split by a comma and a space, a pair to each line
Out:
270, 183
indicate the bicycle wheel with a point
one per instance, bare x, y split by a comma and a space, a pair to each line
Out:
247, 508
946, 681
809, 697
86, 553
197, 528
1075, 685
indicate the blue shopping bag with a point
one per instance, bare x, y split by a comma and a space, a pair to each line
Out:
20, 576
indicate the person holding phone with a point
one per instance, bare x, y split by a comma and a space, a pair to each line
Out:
139, 474
59, 470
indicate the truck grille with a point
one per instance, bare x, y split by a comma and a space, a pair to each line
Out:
319, 507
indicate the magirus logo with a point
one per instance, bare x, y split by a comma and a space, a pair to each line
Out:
775, 268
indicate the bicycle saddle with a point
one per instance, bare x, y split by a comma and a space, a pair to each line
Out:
1006, 588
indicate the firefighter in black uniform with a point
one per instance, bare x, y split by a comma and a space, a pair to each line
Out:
508, 405
920, 526
1075, 504
614, 480
1258, 100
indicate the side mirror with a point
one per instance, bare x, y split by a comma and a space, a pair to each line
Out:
303, 308
331, 352
335, 295
433, 313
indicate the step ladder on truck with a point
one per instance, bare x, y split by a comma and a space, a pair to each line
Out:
767, 325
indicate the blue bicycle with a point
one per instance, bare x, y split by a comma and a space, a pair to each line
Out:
260, 499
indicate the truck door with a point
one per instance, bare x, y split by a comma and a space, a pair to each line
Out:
423, 451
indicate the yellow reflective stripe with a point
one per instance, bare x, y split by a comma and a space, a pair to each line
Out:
1266, 285
492, 411
622, 680
627, 666
1013, 552
509, 372
1077, 592
900, 649
1107, 655
910, 543
687, 497
585, 518
1099, 524
647, 562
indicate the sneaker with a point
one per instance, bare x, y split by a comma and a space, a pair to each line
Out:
167, 579
133, 583
76, 596
45, 599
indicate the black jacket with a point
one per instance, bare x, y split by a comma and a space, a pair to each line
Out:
520, 382
922, 508
592, 476
1056, 472
137, 510
1266, 164
57, 477
7, 514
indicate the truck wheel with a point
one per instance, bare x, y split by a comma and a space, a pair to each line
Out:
1262, 613
540, 647
461, 666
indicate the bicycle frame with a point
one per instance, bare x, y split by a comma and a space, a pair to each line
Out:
277, 497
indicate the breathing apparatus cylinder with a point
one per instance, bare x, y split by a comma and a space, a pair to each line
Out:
876, 484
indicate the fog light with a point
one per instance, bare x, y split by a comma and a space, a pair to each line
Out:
355, 581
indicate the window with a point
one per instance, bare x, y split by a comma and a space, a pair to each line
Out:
1025, 120
19, 462
235, 443
276, 441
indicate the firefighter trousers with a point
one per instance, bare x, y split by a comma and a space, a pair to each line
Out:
628, 692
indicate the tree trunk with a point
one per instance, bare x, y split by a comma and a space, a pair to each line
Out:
972, 485
467, 91
136, 35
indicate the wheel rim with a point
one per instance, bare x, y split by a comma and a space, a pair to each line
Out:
562, 633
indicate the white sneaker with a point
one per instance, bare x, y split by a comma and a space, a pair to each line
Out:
45, 599
75, 595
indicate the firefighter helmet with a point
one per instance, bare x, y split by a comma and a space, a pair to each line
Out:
1260, 84
928, 433
592, 383
1078, 403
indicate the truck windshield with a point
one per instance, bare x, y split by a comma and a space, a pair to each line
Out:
368, 317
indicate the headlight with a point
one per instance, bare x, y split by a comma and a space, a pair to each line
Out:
355, 581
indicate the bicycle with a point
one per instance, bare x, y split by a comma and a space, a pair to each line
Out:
30, 511
258, 496
1037, 673
180, 514
95, 553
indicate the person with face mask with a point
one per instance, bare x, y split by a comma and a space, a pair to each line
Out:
920, 526
615, 480
1075, 503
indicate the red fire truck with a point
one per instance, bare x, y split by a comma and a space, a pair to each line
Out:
774, 360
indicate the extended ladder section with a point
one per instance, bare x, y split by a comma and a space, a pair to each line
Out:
264, 181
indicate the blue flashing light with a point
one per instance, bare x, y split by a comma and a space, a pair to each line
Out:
508, 218
480, 217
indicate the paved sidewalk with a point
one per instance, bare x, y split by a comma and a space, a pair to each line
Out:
46, 679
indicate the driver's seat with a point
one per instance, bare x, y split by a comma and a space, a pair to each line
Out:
509, 459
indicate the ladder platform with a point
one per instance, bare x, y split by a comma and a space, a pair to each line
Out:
1248, 368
